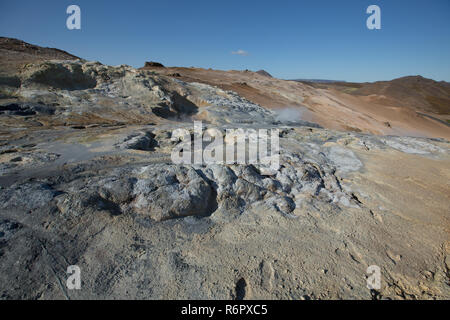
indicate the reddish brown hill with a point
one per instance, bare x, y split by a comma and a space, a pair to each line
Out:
415, 92
14, 53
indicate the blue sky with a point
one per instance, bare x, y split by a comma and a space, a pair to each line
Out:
290, 39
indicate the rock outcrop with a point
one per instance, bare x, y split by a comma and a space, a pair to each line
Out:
153, 64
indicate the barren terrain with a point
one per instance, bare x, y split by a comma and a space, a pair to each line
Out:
86, 179
386, 108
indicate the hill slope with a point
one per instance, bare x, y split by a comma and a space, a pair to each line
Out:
415, 92
409, 106
14, 52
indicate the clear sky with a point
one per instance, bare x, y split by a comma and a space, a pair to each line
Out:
290, 39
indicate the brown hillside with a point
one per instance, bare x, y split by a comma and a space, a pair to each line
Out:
14, 53
415, 92
407, 106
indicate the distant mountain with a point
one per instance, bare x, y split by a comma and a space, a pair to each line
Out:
415, 92
264, 73
317, 80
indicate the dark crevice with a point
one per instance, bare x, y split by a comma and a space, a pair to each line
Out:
212, 201
354, 197
240, 289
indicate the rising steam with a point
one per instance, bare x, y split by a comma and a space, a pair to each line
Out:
289, 114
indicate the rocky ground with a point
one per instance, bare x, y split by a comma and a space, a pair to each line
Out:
86, 179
